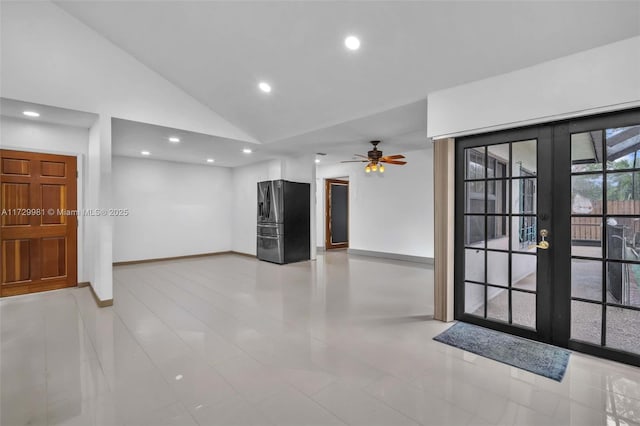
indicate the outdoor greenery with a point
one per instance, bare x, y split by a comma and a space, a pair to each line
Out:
620, 185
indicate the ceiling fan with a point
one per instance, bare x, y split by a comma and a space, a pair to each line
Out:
375, 159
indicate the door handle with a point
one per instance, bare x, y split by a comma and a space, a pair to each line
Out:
544, 244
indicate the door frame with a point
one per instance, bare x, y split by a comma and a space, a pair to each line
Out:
553, 310
327, 213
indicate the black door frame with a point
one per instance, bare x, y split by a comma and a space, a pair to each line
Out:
553, 310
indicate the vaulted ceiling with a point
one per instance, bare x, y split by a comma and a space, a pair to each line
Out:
323, 93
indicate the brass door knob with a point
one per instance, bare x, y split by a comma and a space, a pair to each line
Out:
544, 244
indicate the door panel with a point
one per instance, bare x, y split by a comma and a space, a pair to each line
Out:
16, 265
337, 213
582, 185
14, 166
15, 196
498, 179
38, 240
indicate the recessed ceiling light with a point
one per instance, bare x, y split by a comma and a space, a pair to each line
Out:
265, 87
31, 113
352, 43
210, 160
174, 139
317, 160
247, 151
145, 153
179, 377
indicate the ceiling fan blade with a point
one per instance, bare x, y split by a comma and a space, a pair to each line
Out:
360, 155
355, 161
393, 157
399, 163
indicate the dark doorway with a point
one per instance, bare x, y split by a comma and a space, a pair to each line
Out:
336, 213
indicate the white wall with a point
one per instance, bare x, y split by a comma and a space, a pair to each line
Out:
245, 195
100, 228
31, 135
596, 80
397, 204
51, 58
175, 209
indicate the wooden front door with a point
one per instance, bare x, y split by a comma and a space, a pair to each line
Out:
337, 214
38, 238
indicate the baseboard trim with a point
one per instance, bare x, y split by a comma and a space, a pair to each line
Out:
393, 256
239, 253
162, 259
101, 303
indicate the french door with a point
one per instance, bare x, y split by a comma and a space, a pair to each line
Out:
548, 233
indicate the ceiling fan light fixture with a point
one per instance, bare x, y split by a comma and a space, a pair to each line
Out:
374, 167
367, 169
381, 168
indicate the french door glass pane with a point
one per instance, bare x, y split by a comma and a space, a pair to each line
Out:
500, 154
474, 160
474, 231
623, 193
623, 329
586, 279
525, 196
623, 144
586, 237
474, 265
523, 271
586, 322
498, 303
497, 232
524, 235
498, 196
524, 161
474, 299
623, 283
586, 194
524, 308
586, 151
498, 270
622, 233
474, 197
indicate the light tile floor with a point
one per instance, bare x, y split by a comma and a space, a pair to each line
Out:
229, 340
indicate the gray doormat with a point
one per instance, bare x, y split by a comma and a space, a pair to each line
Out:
539, 358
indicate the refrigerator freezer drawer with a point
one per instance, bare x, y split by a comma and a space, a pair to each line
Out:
271, 248
270, 230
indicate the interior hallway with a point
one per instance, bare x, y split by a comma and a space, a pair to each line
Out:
230, 340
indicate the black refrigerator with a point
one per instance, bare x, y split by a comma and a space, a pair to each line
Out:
284, 221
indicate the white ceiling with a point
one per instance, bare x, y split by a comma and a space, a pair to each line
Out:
218, 51
129, 138
48, 114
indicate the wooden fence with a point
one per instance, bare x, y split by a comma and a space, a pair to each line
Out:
590, 228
